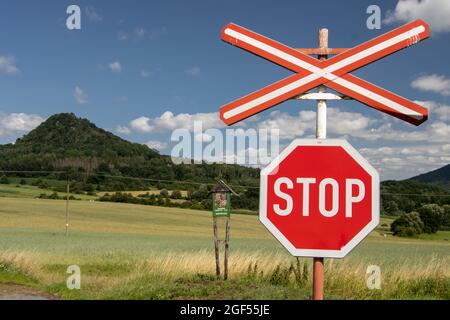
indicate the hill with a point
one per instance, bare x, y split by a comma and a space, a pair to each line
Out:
439, 176
98, 160
65, 142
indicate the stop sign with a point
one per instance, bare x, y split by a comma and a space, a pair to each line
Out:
319, 198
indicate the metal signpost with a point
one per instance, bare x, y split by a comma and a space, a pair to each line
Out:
320, 198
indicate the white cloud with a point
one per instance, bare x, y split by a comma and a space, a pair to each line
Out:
141, 125
144, 73
290, 126
80, 96
140, 32
123, 130
115, 67
7, 66
433, 132
93, 15
157, 145
344, 124
435, 12
168, 121
15, 123
203, 137
304, 124
194, 71
434, 83
402, 162
122, 35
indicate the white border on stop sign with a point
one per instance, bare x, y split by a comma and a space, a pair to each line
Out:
319, 252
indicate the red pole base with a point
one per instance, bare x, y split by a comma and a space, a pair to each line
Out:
318, 279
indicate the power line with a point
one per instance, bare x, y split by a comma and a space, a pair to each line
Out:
100, 174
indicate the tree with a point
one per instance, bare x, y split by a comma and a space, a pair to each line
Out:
432, 216
176, 194
446, 218
164, 193
407, 225
4, 180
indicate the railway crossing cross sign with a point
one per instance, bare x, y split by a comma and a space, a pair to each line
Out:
332, 73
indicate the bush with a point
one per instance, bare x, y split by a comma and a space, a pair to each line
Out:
408, 225
432, 216
176, 194
446, 218
23, 181
164, 193
4, 180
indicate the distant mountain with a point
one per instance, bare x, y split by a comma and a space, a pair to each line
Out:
66, 141
439, 176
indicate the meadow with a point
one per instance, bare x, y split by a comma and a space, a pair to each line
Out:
143, 252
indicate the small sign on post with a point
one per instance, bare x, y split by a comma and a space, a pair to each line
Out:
221, 207
221, 204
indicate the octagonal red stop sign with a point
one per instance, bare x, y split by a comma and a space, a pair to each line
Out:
319, 198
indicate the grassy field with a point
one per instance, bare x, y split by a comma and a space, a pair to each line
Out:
14, 190
144, 252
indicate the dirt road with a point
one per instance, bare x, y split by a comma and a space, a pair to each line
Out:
15, 292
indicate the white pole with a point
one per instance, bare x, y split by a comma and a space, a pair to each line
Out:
321, 133
321, 120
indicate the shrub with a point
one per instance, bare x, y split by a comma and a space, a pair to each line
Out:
4, 180
432, 216
408, 225
176, 194
164, 193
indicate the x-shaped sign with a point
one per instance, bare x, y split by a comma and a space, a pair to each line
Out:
333, 73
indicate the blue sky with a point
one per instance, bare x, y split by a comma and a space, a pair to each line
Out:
142, 59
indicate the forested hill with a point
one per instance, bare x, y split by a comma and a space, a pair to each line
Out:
64, 136
439, 176
65, 141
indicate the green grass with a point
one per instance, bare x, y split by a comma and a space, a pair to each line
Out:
15, 190
129, 251
440, 235
11, 274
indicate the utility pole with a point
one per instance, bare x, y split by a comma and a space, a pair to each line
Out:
67, 206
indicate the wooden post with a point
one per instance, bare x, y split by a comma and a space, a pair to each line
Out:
227, 238
321, 133
216, 248
67, 207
